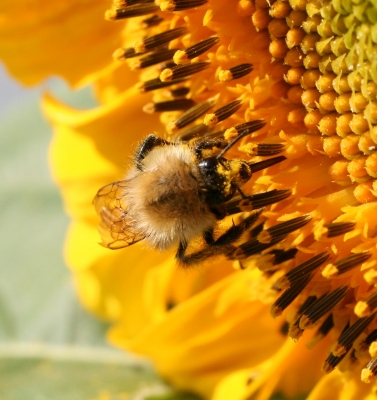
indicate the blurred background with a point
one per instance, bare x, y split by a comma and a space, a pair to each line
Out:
37, 299
50, 348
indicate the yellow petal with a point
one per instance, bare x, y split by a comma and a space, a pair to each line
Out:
111, 283
275, 375
92, 148
66, 38
199, 341
338, 386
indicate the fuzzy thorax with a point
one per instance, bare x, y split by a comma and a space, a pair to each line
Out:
165, 198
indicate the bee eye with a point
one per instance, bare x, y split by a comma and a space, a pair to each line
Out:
209, 163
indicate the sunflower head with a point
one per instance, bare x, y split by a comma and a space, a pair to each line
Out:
308, 69
208, 70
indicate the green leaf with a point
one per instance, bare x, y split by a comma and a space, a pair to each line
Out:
37, 298
71, 373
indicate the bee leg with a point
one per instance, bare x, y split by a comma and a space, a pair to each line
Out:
186, 260
208, 237
219, 211
148, 144
234, 232
262, 239
243, 195
220, 246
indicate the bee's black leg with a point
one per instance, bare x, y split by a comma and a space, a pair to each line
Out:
220, 246
208, 237
234, 232
148, 144
187, 260
243, 195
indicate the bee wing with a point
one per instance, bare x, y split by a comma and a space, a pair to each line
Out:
116, 228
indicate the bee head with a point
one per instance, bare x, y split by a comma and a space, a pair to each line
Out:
221, 177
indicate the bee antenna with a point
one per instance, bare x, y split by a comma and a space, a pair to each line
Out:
252, 127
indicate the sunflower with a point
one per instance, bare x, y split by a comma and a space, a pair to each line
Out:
308, 69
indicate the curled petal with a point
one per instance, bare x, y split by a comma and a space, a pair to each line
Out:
211, 338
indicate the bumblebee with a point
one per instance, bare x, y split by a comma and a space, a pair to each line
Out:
178, 191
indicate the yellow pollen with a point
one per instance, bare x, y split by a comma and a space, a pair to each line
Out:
166, 75
139, 47
264, 237
362, 309
373, 349
251, 149
225, 76
110, 15
119, 54
339, 350
180, 58
230, 133
211, 119
367, 375
168, 5
330, 271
